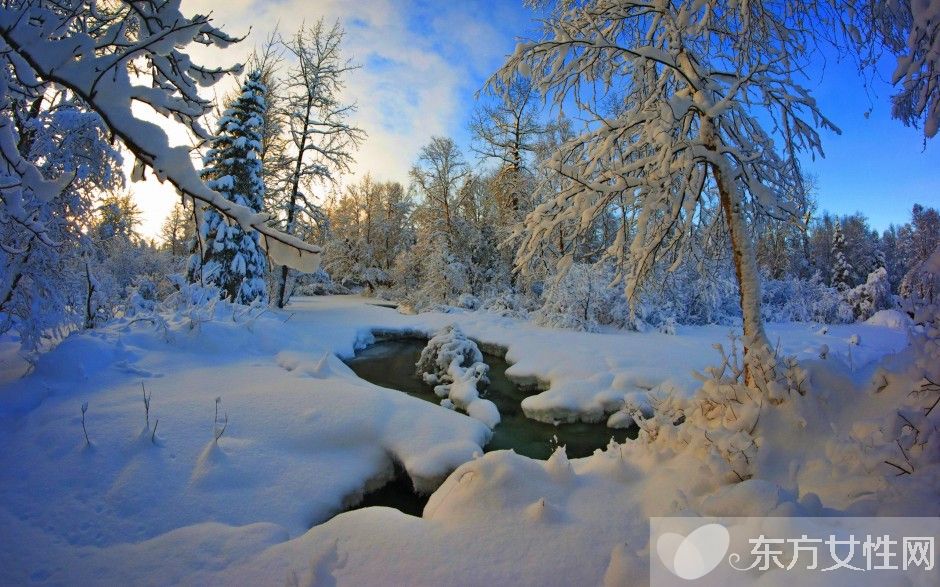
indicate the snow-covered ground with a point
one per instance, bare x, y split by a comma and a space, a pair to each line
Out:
305, 437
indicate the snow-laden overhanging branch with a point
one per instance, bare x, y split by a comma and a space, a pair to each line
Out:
92, 51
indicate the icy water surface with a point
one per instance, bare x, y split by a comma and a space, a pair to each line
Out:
391, 364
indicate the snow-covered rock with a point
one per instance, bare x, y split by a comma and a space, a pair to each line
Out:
454, 365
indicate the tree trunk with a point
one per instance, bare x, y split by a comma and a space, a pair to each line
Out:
745, 269
89, 315
294, 189
742, 253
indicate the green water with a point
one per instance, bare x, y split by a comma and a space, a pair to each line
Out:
391, 364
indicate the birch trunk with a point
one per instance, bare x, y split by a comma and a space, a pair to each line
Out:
742, 252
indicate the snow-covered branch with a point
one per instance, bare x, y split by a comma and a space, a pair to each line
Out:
98, 60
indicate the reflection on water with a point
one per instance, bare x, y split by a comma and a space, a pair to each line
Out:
391, 364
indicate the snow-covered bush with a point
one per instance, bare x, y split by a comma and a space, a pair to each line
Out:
803, 300
129, 276
468, 302
690, 294
192, 301
352, 264
448, 346
719, 425
318, 283
582, 298
430, 274
507, 302
871, 296
454, 365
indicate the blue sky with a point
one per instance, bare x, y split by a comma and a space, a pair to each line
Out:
424, 60
877, 165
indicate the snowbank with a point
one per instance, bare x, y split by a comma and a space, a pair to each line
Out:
823, 449
305, 438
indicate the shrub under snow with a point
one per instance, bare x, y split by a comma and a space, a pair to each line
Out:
454, 365
583, 299
871, 296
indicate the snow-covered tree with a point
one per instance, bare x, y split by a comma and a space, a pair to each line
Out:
178, 230
911, 30
369, 227
225, 255
920, 289
108, 56
276, 160
922, 236
692, 82
443, 274
458, 229
394, 232
841, 269
439, 175
871, 296
322, 140
542, 264
919, 242
507, 132
42, 261
117, 218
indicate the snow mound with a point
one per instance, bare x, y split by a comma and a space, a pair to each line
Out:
889, 319
454, 364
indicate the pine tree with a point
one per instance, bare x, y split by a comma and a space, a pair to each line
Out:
841, 269
224, 255
881, 260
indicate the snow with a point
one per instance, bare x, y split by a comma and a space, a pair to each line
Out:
455, 364
889, 319
305, 438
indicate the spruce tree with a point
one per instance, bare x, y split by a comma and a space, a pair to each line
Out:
224, 255
841, 269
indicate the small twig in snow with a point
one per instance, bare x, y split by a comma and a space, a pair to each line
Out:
146, 403
218, 432
900, 468
85, 430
